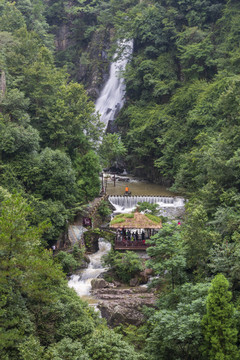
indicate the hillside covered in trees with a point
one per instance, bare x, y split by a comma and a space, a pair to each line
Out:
179, 126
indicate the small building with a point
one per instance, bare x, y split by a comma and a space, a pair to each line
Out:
132, 230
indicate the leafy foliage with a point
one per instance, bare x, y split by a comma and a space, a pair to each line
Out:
111, 149
104, 209
40, 317
125, 265
219, 328
147, 207
180, 126
105, 345
175, 329
67, 261
168, 254
47, 126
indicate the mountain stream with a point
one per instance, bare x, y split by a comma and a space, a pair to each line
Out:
82, 283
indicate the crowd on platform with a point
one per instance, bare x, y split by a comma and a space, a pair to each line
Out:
130, 237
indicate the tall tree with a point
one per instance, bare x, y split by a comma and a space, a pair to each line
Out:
112, 149
167, 254
219, 327
198, 237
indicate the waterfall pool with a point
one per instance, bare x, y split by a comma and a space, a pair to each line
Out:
137, 187
169, 204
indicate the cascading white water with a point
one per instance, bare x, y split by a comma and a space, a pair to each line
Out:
111, 98
82, 283
128, 203
170, 207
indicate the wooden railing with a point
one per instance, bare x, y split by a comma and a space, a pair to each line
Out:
130, 245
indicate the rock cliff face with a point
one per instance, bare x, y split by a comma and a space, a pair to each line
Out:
90, 62
62, 40
97, 71
123, 306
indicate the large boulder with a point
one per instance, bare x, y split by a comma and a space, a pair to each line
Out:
86, 258
98, 284
117, 314
134, 282
124, 306
144, 275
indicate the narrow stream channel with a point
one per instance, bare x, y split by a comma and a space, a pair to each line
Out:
82, 283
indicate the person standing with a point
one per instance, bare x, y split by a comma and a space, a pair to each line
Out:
128, 236
132, 238
136, 235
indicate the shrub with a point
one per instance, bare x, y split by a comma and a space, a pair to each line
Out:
69, 264
104, 210
148, 207
78, 253
125, 265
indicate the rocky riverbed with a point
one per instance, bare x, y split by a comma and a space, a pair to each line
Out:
122, 305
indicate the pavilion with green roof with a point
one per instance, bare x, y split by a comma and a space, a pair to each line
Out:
133, 229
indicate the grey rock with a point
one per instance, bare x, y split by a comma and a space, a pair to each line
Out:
86, 259
98, 284
134, 282
117, 283
124, 306
144, 275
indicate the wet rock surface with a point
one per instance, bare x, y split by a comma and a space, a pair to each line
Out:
98, 284
123, 306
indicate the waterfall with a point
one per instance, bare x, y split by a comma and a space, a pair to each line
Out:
82, 283
111, 98
128, 203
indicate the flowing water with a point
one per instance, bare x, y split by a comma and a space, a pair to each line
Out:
171, 207
130, 202
169, 204
82, 283
111, 98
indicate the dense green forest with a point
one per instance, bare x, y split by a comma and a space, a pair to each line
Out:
179, 126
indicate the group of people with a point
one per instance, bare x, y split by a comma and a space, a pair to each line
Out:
123, 235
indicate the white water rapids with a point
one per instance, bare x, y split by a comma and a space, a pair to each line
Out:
111, 98
82, 283
168, 206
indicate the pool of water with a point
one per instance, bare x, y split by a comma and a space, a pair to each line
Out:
137, 187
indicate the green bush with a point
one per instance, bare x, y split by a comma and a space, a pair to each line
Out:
107, 345
78, 253
104, 210
69, 264
125, 265
146, 206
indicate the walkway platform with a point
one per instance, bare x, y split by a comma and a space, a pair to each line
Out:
131, 248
